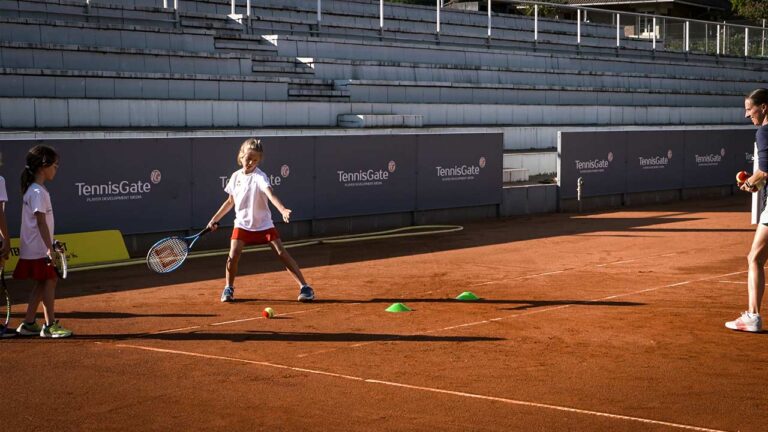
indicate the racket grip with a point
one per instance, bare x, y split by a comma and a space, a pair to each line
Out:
207, 229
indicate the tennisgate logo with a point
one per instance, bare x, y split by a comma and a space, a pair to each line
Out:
655, 162
711, 159
122, 190
460, 172
594, 165
366, 177
274, 181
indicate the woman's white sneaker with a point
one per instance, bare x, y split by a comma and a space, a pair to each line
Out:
747, 322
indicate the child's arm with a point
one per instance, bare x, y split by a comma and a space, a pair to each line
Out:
223, 210
278, 204
6, 249
45, 234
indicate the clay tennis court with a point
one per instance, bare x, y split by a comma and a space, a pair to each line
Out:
604, 321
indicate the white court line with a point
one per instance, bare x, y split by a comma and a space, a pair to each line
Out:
261, 317
520, 277
228, 322
618, 262
430, 389
734, 282
175, 330
636, 259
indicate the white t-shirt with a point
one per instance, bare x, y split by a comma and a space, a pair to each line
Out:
251, 202
36, 200
3, 191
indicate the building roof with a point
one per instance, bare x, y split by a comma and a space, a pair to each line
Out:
708, 4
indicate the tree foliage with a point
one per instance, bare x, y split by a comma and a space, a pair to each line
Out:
753, 10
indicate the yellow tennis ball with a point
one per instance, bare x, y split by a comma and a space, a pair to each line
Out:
268, 313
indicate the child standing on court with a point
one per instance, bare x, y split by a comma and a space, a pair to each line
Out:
36, 243
249, 194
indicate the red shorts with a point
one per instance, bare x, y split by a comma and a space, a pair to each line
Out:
37, 269
255, 237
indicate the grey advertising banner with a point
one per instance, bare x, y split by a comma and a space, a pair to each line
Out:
148, 185
459, 170
139, 185
135, 185
652, 160
710, 159
655, 161
287, 161
360, 175
598, 158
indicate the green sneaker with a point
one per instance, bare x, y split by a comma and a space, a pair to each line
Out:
55, 330
25, 329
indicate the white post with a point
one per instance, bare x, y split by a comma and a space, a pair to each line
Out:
718, 39
176, 5
618, 23
578, 26
489, 19
319, 13
687, 34
165, 4
536, 22
233, 7
654, 33
725, 38
762, 41
438, 17
746, 41
381, 15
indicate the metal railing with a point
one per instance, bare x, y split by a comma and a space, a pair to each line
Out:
632, 30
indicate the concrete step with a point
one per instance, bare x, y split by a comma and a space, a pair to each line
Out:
282, 71
379, 120
244, 46
203, 23
311, 94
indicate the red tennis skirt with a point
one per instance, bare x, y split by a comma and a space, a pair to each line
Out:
36, 269
255, 237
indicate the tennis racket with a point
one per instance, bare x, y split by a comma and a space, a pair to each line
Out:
5, 298
169, 253
58, 259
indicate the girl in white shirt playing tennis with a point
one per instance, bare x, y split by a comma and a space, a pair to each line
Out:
249, 194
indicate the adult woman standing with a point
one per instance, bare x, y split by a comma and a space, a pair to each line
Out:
756, 109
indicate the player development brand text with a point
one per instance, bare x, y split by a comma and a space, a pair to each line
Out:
463, 172
654, 162
708, 160
370, 177
113, 191
595, 165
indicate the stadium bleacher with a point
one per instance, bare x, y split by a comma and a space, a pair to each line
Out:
107, 64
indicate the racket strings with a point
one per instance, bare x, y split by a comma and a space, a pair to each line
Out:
167, 255
60, 262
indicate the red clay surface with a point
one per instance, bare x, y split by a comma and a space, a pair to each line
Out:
609, 321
